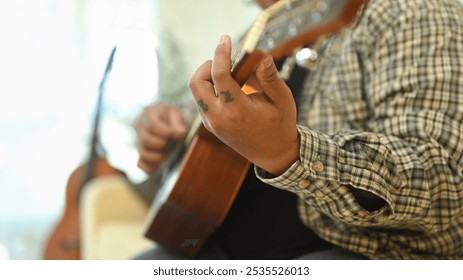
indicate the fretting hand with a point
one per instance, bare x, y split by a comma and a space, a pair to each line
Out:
262, 126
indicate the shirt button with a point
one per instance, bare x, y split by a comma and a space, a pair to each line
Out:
349, 219
362, 214
318, 166
304, 184
319, 194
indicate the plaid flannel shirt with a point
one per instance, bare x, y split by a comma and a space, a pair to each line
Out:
383, 113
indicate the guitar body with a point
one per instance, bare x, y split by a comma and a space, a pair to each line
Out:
196, 198
64, 242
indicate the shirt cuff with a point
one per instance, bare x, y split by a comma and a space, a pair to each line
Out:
310, 164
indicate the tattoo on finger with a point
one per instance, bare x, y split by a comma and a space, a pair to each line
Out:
227, 95
202, 106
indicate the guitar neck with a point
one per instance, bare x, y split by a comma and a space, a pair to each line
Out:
288, 25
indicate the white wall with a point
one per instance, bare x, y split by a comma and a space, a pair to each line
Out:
198, 24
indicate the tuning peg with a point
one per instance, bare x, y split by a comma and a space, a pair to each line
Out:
307, 58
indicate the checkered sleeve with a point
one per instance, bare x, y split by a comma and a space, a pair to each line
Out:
410, 155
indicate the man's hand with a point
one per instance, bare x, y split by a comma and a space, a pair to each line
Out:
157, 126
262, 126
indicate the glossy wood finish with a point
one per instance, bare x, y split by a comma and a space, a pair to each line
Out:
207, 183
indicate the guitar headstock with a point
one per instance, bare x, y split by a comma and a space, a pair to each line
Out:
287, 25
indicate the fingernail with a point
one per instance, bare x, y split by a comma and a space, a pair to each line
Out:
222, 39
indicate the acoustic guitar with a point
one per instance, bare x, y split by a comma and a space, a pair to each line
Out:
201, 177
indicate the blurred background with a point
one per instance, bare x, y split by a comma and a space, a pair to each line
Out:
52, 57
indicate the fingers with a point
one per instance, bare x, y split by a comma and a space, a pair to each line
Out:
202, 88
221, 66
150, 140
177, 124
162, 120
212, 83
149, 160
151, 148
274, 87
225, 84
158, 125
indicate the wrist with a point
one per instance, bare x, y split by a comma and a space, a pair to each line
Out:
278, 164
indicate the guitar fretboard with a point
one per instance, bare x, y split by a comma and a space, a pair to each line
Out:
284, 20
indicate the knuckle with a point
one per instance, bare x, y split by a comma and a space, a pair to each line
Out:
192, 84
270, 76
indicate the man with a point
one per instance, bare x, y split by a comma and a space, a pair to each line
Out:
373, 151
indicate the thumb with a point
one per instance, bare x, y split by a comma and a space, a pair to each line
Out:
271, 83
